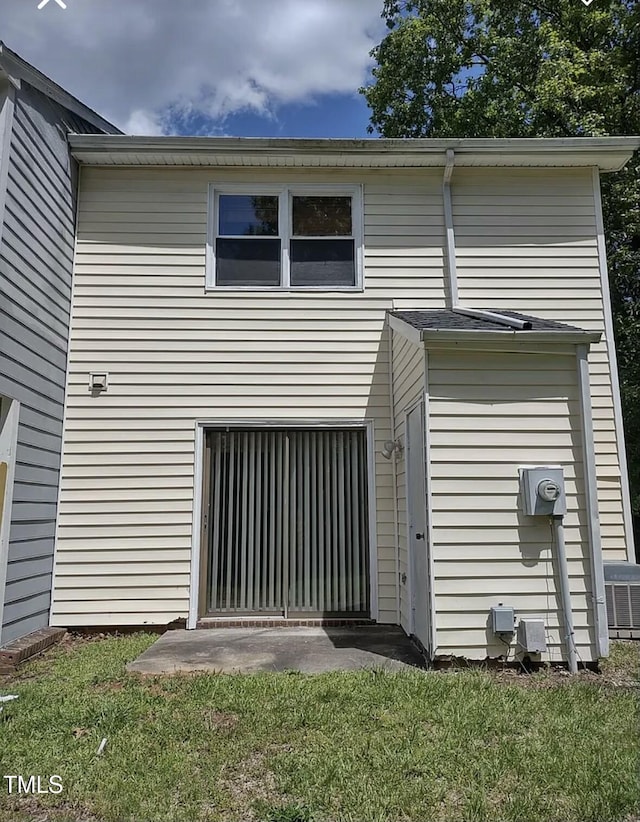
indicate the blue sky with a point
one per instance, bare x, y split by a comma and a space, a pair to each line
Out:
326, 115
281, 68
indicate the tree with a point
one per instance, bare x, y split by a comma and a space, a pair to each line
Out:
545, 68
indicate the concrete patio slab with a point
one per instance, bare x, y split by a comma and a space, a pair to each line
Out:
308, 650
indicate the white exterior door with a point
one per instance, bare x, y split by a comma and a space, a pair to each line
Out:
417, 516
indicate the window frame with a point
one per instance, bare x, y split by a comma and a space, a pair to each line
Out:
285, 194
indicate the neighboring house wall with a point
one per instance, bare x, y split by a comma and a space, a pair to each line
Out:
489, 413
36, 258
526, 240
408, 390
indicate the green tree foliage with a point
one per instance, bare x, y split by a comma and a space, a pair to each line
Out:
510, 68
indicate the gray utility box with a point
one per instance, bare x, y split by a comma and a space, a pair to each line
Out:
502, 619
532, 636
542, 490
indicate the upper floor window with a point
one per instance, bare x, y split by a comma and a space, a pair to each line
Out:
285, 238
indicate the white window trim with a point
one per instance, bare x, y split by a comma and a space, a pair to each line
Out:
285, 193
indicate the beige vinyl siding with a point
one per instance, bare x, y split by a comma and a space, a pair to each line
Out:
175, 353
408, 390
527, 240
489, 414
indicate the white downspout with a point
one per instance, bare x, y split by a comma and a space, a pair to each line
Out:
451, 266
591, 494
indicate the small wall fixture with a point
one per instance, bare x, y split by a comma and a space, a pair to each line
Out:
391, 447
98, 382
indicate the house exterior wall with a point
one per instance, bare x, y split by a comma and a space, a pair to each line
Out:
489, 413
176, 353
408, 391
538, 253
36, 257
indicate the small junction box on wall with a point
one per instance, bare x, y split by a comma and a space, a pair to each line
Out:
502, 619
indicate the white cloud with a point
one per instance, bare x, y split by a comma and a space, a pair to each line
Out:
133, 60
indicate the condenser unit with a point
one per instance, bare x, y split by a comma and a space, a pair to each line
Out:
622, 589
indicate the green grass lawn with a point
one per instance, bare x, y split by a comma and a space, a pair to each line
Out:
364, 746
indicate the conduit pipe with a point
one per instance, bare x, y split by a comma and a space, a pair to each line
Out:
451, 264
565, 593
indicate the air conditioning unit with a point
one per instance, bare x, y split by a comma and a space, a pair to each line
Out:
622, 589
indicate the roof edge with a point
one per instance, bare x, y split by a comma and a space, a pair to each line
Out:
510, 334
18, 69
466, 149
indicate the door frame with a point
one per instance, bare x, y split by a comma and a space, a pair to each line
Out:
422, 404
196, 601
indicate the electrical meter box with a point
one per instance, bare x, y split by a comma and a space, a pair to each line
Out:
542, 490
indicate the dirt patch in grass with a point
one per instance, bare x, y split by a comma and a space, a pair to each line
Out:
31, 809
218, 721
620, 670
250, 785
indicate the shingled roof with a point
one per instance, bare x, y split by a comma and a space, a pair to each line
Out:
441, 319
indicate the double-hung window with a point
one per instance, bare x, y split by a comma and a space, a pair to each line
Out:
285, 238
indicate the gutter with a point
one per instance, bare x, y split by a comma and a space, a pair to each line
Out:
466, 336
468, 150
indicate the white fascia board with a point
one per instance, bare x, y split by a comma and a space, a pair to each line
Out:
606, 153
408, 331
432, 337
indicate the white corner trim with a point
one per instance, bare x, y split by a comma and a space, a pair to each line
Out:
374, 581
9, 422
613, 368
591, 494
428, 484
407, 531
63, 433
394, 469
7, 107
194, 576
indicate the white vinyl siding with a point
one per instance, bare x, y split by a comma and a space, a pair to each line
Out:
408, 390
175, 353
489, 414
528, 241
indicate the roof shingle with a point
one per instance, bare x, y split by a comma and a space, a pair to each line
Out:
446, 319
